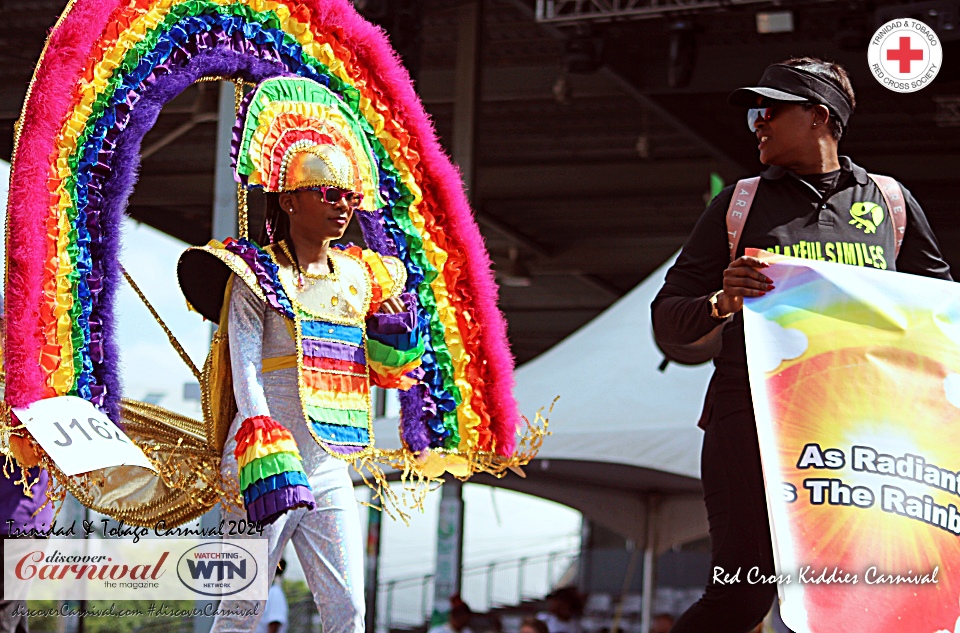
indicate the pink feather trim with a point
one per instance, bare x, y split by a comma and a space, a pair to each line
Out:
57, 74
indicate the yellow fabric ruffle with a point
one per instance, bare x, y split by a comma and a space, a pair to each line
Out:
403, 158
61, 380
333, 400
389, 371
467, 417
258, 450
388, 272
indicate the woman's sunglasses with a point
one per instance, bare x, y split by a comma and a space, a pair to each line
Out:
333, 195
766, 113
763, 114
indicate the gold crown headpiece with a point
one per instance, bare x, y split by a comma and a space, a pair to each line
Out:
296, 133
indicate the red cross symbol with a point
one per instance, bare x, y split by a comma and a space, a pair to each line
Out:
905, 54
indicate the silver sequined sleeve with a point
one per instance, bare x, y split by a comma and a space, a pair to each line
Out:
245, 326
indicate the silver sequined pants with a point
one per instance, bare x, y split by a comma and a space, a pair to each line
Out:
327, 540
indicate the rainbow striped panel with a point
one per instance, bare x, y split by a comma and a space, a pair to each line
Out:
336, 406
108, 68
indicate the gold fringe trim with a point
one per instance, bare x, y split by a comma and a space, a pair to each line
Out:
188, 482
8, 430
384, 498
416, 484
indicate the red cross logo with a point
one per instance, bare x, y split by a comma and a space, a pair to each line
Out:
905, 54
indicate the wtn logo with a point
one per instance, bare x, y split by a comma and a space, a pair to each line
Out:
224, 569
220, 568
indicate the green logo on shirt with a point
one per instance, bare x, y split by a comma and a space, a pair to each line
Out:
866, 216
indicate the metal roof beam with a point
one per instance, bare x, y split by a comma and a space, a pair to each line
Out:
585, 179
630, 88
569, 12
177, 132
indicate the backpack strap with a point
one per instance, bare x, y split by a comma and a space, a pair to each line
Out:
739, 209
893, 196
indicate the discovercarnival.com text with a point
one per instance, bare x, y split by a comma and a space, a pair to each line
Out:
155, 610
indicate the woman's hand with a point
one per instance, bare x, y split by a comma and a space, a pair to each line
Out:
393, 305
742, 278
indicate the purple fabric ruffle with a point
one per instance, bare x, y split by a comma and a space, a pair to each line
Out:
267, 274
375, 233
236, 138
207, 53
416, 404
114, 183
343, 450
268, 507
329, 349
384, 324
413, 428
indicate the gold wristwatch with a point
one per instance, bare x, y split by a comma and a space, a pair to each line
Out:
714, 312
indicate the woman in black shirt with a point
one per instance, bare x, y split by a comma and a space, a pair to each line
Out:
802, 207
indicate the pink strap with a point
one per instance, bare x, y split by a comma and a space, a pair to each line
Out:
738, 211
893, 196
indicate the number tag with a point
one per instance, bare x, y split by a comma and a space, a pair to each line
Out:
78, 437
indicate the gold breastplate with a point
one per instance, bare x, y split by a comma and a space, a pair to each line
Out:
341, 297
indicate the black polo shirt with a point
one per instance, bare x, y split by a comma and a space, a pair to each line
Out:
789, 216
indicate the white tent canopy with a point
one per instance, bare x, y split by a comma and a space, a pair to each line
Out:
624, 446
623, 431
615, 404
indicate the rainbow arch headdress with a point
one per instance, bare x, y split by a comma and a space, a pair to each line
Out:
107, 69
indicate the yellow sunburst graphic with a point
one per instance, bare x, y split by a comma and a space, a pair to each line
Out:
868, 438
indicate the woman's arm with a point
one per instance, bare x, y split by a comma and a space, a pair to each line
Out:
272, 479
920, 252
682, 310
245, 327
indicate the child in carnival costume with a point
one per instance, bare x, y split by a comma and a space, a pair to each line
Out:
304, 330
308, 329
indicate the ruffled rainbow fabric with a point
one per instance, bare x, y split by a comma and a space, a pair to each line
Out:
109, 67
272, 480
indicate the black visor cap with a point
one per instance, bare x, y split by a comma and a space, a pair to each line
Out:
787, 83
